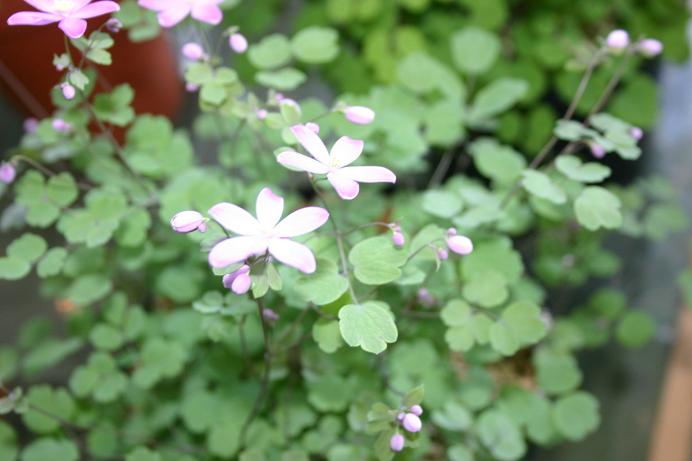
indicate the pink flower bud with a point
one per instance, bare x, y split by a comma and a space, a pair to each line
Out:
191, 87
7, 173
618, 40
396, 443
398, 239
238, 43
202, 227
269, 315
239, 281
261, 114
637, 133
187, 221
460, 244
193, 51
314, 127
650, 47
61, 126
114, 25
400, 416
442, 254
412, 423
451, 231
417, 410
597, 150
359, 115
68, 91
425, 298
30, 125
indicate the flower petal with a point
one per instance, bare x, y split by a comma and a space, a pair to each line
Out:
171, 16
293, 254
346, 187
156, 5
302, 221
96, 9
44, 5
235, 219
301, 162
73, 27
368, 174
311, 142
211, 14
235, 250
269, 208
31, 18
346, 150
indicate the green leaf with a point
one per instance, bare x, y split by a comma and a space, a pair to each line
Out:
422, 73
635, 329
29, 247
487, 288
459, 453
569, 130
159, 359
44, 200
458, 316
500, 436
272, 52
315, 45
52, 262
114, 107
377, 261
497, 97
324, 286
442, 203
285, 79
540, 185
99, 378
106, 337
13, 268
369, 325
42, 400
327, 335
47, 449
557, 372
143, 454
500, 163
474, 50
596, 207
453, 417
573, 168
414, 396
88, 289
576, 415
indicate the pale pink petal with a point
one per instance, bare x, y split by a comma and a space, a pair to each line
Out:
73, 27
241, 284
346, 150
30, 18
346, 187
368, 174
359, 114
293, 254
301, 162
96, 9
302, 221
173, 15
156, 5
269, 208
211, 14
311, 142
235, 219
235, 250
43, 5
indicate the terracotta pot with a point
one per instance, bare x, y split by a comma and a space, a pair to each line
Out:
27, 73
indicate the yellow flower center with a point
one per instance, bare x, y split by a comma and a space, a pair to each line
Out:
64, 5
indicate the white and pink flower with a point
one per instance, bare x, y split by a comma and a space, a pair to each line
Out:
334, 163
71, 15
267, 233
171, 12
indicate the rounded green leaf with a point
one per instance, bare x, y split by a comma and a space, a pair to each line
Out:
576, 415
474, 50
272, 52
369, 326
596, 207
573, 168
315, 45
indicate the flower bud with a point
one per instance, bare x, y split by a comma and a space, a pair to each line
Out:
451, 231
425, 298
314, 127
618, 40
650, 47
412, 423
417, 410
7, 173
193, 51
442, 254
238, 281
359, 115
191, 87
398, 239
460, 244
269, 315
30, 125
61, 126
238, 43
400, 416
114, 25
187, 221
597, 150
261, 114
396, 443
68, 91
637, 133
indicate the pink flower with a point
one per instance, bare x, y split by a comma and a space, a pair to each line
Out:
597, 150
61, 126
239, 281
30, 125
114, 25
442, 254
360, 115
193, 51
69, 14
7, 173
266, 233
396, 443
171, 12
650, 47
425, 298
636, 133
398, 239
412, 423
459, 244
314, 127
345, 151
68, 91
188, 221
417, 410
261, 114
191, 87
238, 43
269, 315
618, 40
